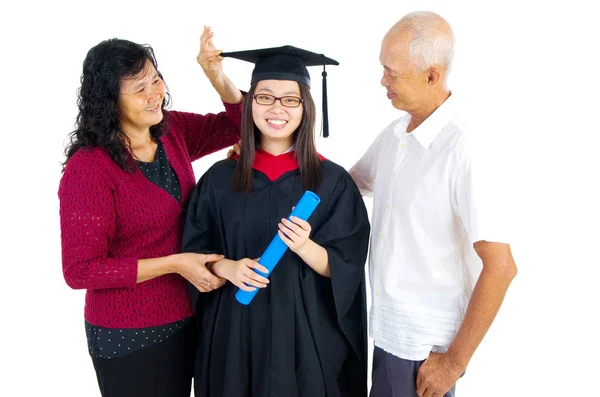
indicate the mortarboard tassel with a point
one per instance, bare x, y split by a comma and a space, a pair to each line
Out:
325, 118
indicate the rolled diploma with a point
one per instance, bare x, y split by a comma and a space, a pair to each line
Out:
269, 259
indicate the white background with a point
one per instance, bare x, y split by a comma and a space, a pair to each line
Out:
526, 71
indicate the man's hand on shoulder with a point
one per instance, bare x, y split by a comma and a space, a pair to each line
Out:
234, 150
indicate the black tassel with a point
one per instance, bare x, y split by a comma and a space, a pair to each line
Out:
325, 114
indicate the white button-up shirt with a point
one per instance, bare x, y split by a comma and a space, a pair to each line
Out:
426, 217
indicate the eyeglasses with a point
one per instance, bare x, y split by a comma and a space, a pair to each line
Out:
287, 101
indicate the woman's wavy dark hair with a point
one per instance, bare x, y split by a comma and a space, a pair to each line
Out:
97, 124
304, 138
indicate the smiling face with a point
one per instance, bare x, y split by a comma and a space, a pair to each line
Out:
140, 101
277, 123
406, 87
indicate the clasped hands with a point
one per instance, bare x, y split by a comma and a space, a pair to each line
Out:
293, 232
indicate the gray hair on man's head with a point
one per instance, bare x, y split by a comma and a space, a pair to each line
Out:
432, 41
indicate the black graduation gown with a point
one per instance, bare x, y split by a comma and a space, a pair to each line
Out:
304, 334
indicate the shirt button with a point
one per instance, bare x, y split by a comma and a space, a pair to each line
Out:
393, 176
387, 206
402, 145
376, 265
381, 235
377, 293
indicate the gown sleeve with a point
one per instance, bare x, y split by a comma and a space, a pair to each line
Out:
199, 229
198, 232
345, 236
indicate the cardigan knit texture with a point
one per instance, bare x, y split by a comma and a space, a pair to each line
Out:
111, 218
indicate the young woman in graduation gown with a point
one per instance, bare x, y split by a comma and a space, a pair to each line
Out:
304, 333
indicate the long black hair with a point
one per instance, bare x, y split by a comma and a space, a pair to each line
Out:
97, 124
304, 138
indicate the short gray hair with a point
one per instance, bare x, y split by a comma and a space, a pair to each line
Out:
432, 42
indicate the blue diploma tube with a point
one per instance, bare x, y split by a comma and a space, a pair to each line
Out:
303, 210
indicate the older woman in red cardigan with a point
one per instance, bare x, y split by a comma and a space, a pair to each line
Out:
126, 183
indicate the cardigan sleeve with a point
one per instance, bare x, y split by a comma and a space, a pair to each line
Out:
87, 223
207, 133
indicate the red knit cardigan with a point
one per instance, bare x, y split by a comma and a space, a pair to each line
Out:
111, 218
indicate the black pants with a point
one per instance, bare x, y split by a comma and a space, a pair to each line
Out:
163, 370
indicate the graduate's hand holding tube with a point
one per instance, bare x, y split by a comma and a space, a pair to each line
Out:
241, 273
294, 233
277, 248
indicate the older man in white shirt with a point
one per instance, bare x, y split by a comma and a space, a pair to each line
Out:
439, 264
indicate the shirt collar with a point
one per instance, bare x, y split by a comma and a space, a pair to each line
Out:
429, 129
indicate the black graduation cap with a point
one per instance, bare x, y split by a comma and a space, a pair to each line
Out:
286, 63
